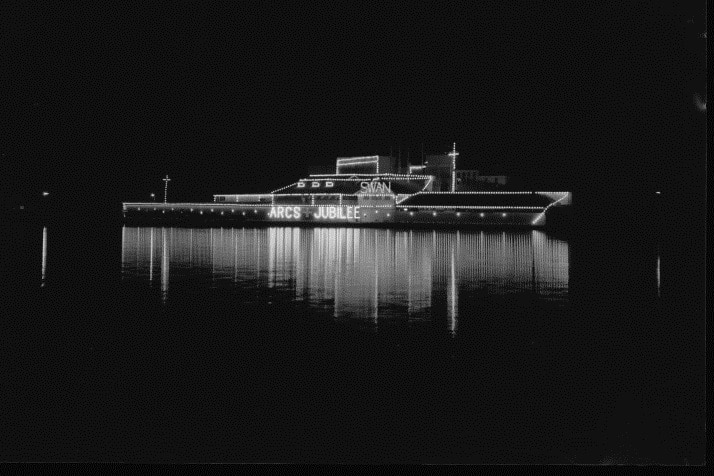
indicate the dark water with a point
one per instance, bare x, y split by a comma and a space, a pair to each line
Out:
342, 345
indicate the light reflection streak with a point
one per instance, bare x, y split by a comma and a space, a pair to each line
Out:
151, 257
363, 274
44, 255
164, 266
658, 280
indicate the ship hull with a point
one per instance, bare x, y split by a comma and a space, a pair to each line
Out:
230, 214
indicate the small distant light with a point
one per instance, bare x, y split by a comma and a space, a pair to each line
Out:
44, 194
201, 212
434, 213
458, 214
243, 213
221, 213
658, 193
255, 211
388, 214
192, 209
503, 214
211, 210
411, 213
481, 215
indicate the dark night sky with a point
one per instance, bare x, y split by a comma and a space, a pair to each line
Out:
104, 101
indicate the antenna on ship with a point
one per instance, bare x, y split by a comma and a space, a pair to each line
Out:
453, 155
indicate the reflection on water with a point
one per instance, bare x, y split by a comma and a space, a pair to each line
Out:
353, 273
658, 281
44, 255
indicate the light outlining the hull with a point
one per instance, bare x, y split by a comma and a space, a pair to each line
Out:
473, 207
541, 215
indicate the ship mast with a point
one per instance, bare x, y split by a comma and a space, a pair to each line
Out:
166, 186
453, 155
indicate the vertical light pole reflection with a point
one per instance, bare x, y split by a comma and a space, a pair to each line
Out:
453, 295
658, 282
123, 242
375, 302
151, 257
534, 288
164, 266
44, 255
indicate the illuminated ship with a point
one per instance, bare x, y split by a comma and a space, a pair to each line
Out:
366, 191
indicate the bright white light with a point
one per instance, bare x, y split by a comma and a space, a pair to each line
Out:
658, 193
503, 214
44, 194
481, 215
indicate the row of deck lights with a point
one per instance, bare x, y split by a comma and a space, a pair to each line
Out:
411, 213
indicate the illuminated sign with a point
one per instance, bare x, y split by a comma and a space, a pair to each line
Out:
284, 212
329, 213
375, 187
338, 213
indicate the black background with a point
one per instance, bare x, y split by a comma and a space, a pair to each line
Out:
99, 103
102, 102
